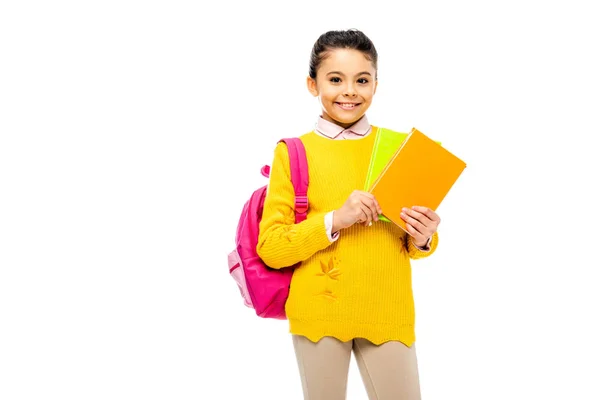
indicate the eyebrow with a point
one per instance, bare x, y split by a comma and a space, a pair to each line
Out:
341, 73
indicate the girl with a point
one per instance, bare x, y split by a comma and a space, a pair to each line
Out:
353, 290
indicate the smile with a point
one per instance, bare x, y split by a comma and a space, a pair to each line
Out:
347, 106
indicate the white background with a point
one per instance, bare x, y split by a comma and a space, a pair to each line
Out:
133, 132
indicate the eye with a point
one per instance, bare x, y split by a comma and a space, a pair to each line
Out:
363, 81
335, 79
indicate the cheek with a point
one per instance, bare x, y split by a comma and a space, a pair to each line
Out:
369, 90
328, 96
368, 94
329, 92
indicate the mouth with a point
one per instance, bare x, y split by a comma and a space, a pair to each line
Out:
347, 106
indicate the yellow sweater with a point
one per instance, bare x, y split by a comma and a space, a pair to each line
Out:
357, 286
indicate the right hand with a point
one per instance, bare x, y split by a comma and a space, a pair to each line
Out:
360, 207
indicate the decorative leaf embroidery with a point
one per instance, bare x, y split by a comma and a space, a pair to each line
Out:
330, 270
286, 232
328, 294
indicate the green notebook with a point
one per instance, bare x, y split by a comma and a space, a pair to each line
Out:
387, 143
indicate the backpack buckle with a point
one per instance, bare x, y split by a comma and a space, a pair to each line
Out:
301, 205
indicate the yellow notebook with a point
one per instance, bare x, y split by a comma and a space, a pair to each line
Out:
420, 173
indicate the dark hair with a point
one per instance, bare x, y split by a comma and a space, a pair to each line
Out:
350, 39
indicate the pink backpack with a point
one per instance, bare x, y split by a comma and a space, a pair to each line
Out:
265, 289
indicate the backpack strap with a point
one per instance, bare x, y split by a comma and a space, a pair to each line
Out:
299, 175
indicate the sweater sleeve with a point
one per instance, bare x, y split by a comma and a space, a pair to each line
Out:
416, 253
282, 242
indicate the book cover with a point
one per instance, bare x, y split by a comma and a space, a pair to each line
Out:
387, 142
420, 173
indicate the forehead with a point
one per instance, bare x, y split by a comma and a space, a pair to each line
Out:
347, 61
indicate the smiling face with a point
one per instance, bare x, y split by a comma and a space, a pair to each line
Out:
345, 85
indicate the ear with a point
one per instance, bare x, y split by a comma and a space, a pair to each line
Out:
311, 84
375, 88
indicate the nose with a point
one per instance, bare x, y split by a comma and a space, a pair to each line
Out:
350, 91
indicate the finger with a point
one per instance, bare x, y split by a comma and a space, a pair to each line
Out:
368, 216
428, 212
416, 214
414, 222
362, 215
411, 212
371, 197
379, 210
414, 233
372, 205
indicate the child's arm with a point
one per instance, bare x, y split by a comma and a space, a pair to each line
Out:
282, 242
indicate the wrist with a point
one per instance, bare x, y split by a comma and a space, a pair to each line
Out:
421, 244
335, 225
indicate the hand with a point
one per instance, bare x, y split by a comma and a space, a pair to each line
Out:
421, 223
360, 207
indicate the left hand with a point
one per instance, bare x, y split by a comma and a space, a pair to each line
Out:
421, 223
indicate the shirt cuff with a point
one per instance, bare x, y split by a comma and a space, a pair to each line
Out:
424, 248
329, 226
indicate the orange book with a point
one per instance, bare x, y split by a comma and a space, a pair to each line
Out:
420, 173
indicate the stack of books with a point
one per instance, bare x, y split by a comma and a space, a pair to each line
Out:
410, 169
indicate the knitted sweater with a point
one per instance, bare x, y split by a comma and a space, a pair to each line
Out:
357, 286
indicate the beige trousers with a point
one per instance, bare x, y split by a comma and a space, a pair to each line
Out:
389, 371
